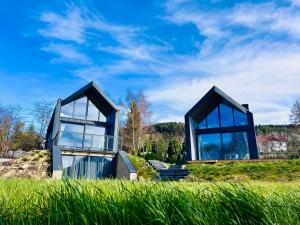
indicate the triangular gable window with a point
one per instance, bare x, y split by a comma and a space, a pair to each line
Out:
229, 117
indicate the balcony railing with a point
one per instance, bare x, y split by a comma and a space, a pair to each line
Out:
87, 142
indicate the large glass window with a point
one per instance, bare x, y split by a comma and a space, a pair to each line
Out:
226, 115
102, 117
235, 145
94, 138
67, 163
77, 110
93, 167
240, 118
209, 146
202, 124
81, 166
213, 119
67, 110
71, 135
93, 112
80, 108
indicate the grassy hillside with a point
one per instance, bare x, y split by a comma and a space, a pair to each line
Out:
145, 171
115, 202
288, 170
34, 164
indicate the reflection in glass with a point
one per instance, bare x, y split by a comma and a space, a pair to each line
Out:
202, 124
80, 108
81, 166
209, 146
70, 135
96, 167
67, 110
93, 167
235, 145
102, 117
94, 138
240, 118
67, 162
93, 112
213, 119
226, 115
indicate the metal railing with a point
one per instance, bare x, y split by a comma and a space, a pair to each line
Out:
87, 142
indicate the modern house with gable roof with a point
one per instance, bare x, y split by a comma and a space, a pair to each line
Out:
83, 137
219, 128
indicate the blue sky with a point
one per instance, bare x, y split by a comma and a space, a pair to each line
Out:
174, 51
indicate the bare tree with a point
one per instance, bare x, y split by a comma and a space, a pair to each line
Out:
295, 113
42, 112
9, 116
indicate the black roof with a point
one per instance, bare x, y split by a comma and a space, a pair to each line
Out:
211, 98
96, 95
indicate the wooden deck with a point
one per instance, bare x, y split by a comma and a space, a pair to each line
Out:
233, 161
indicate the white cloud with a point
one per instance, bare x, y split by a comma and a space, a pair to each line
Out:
252, 67
69, 27
66, 53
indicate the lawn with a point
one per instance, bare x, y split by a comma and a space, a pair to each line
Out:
277, 170
121, 202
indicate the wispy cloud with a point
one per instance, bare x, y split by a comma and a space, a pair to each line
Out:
250, 65
66, 53
68, 27
251, 51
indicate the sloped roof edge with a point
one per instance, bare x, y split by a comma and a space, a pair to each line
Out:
213, 91
81, 92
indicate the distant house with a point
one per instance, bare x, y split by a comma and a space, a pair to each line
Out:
219, 128
271, 143
83, 137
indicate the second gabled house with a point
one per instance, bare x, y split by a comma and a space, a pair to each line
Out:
219, 128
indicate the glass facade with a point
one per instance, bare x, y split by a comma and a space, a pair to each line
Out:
240, 118
235, 145
94, 138
209, 146
88, 137
92, 167
93, 112
228, 146
71, 135
228, 117
67, 110
212, 119
223, 145
82, 109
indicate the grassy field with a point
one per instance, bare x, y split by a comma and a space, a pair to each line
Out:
117, 202
281, 170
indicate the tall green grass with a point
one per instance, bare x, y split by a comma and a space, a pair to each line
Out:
279, 170
117, 202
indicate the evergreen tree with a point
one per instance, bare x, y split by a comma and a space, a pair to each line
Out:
18, 138
174, 150
32, 139
162, 148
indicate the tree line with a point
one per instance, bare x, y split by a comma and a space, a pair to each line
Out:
140, 136
16, 134
162, 141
